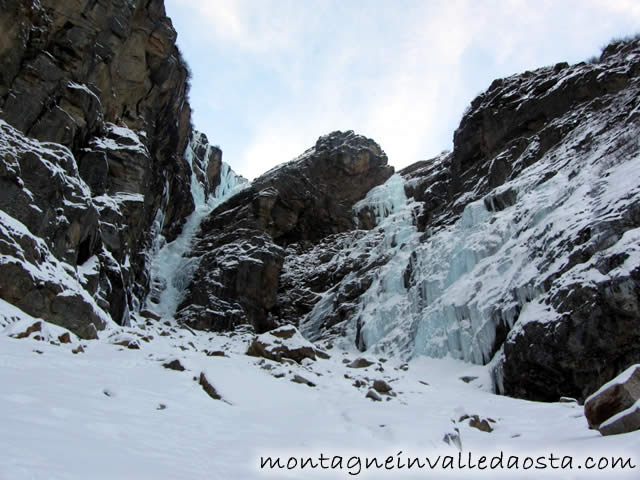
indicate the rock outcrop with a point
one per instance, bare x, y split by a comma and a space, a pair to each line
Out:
245, 242
280, 343
519, 247
72, 68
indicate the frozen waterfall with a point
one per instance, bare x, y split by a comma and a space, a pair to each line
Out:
171, 270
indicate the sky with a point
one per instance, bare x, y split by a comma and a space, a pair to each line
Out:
271, 76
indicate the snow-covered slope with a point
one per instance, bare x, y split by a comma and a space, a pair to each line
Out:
115, 412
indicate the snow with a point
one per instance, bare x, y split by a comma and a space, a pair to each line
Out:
131, 143
434, 301
16, 322
112, 412
84, 88
115, 200
10, 314
296, 341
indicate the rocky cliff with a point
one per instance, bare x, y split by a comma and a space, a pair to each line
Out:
520, 249
95, 124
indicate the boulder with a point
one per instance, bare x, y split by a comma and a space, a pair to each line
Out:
174, 365
373, 395
381, 386
300, 379
360, 363
481, 424
618, 396
208, 387
282, 343
624, 422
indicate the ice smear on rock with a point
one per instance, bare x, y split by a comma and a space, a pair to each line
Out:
383, 200
394, 238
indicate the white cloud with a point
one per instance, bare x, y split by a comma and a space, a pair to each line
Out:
399, 72
626, 7
263, 26
395, 105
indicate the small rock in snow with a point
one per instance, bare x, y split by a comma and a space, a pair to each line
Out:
481, 424
373, 395
360, 363
208, 388
215, 353
468, 379
453, 438
302, 380
36, 327
65, 338
381, 386
174, 365
567, 400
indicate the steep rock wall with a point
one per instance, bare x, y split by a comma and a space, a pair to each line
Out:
95, 123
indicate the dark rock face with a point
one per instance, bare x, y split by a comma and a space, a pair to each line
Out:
596, 334
243, 243
40, 186
207, 162
69, 67
595, 338
95, 93
309, 270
